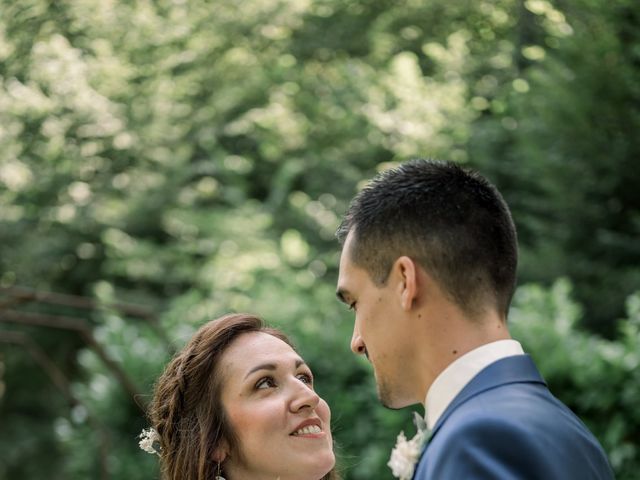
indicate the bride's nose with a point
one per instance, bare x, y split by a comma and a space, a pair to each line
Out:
302, 397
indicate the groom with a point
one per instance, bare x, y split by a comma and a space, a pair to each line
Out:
428, 266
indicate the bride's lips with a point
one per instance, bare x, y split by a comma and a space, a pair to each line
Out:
312, 422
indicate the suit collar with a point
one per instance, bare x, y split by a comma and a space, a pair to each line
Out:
460, 372
515, 369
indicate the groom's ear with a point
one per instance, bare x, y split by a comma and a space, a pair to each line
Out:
406, 271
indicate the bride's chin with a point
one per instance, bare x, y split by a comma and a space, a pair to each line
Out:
332, 462
326, 465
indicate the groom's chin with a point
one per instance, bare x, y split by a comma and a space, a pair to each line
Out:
390, 399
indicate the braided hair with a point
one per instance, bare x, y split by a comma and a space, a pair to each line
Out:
186, 409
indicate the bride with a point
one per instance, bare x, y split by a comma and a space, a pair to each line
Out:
238, 403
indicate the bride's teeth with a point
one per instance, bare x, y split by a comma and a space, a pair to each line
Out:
307, 430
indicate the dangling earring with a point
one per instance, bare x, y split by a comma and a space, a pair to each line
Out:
218, 476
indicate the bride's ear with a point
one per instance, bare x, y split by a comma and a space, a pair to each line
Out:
221, 452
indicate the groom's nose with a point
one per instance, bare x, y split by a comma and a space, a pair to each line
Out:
357, 344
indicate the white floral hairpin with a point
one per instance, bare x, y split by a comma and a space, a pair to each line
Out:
406, 453
150, 441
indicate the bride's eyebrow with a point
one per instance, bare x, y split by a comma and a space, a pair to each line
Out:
271, 367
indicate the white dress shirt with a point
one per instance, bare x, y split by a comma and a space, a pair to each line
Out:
459, 373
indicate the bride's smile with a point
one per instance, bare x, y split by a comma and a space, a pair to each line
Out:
282, 425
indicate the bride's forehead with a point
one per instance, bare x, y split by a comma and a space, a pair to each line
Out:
258, 347
259, 340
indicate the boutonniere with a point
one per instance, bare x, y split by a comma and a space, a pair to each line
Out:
406, 453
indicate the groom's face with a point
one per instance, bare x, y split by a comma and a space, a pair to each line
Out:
378, 331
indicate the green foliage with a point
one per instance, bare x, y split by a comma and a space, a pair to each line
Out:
196, 158
563, 149
598, 379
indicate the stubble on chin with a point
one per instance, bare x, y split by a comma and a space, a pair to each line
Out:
384, 393
388, 393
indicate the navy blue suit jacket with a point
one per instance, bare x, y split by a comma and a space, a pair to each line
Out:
506, 424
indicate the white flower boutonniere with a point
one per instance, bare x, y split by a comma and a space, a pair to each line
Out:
406, 453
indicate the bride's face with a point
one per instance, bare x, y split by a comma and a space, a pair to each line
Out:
281, 424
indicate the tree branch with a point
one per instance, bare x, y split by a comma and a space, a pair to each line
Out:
58, 378
79, 326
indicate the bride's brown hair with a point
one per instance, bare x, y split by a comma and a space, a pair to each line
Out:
186, 409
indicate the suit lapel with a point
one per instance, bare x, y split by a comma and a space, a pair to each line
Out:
515, 369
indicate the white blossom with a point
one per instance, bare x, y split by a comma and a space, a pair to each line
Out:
406, 454
147, 439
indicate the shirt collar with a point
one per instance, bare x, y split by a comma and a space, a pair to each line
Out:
460, 372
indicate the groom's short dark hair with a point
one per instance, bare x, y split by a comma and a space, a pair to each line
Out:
452, 221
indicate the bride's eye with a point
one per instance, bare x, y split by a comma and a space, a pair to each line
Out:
265, 382
305, 378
